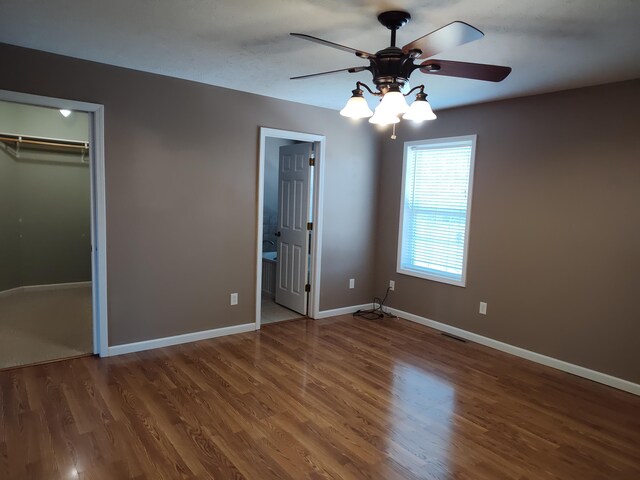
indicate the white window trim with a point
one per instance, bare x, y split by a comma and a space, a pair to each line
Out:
437, 141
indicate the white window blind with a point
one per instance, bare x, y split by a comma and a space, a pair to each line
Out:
435, 209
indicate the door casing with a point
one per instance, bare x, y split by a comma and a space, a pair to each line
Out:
317, 203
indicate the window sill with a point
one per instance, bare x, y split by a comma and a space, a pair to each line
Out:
434, 278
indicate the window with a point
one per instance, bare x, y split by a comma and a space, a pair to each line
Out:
436, 202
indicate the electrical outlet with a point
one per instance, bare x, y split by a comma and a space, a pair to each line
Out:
483, 308
352, 283
392, 285
233, 299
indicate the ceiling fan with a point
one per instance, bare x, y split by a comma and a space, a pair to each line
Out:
391, 68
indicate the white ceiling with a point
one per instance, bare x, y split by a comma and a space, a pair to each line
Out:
242, 44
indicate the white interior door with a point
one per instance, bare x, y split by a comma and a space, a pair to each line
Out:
293, 236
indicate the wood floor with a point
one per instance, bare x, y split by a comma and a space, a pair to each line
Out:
337, 398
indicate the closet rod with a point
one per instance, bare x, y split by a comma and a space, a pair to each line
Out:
19, 139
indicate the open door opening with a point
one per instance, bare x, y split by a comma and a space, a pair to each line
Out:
288, 229
52, 230
45, 235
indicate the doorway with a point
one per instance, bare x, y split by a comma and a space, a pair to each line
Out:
52, 275
289, 225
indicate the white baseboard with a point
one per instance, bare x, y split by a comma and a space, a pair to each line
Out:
178, 339
599, 377
37, 288
341, 311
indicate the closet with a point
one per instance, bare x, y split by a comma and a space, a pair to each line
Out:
45, 235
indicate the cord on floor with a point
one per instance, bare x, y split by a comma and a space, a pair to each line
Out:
377, 312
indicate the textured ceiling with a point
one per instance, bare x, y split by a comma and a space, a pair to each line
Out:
550, 44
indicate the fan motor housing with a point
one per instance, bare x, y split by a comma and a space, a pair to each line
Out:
390, 67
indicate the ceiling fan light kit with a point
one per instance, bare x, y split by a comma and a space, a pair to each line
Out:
393, 101
420, 109
381, 117
391, 68
356, 107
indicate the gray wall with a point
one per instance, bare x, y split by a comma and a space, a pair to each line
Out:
271, 175
55, 227
9, 235
24, 119
555, 226
181, 183
45, 212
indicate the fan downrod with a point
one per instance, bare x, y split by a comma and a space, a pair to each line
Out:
394, 19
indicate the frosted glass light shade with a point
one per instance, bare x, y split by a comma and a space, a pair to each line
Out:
356, 107
420, 111
394, 103
382, 117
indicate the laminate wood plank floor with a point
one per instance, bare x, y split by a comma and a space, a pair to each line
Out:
340, 398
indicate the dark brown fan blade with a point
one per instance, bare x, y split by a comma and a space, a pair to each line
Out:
475, 71
358, 53
350, 70
449, 36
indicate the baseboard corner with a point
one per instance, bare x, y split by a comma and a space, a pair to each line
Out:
341, 311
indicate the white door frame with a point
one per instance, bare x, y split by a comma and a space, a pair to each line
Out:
316, 235
98, 205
